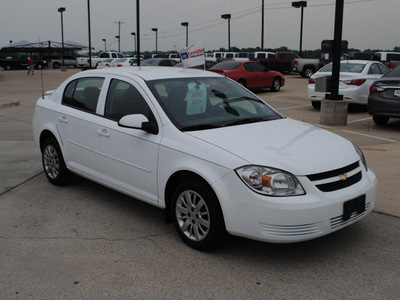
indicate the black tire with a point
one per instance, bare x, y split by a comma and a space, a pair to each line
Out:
197, 215
56, 65
308, 71
7, 68
380, 120
53, 163
276, 85
316, 104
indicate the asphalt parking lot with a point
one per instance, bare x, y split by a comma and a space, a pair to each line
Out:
85, 241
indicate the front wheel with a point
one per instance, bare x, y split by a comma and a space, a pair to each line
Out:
276, 85
197, 215
53, 163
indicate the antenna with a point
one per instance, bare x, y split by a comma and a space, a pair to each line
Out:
41, 78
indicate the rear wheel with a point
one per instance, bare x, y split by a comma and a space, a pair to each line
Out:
56, 65
316, 104
53, 163
380, 120
308, 71
197, 215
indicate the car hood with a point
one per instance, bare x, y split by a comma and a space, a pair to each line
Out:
286, 144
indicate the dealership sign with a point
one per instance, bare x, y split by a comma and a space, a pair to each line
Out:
193, 55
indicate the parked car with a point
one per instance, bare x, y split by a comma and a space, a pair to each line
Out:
209, 152
57, 62
106, 63
384, 97
124, 62
207, 65
20, 62
162, 62
356, 76
85, 62
306, 67
252, 75
390, 59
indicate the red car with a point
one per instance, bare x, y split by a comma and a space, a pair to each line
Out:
252, 75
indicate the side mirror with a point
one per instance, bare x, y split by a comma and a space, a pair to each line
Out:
138, 122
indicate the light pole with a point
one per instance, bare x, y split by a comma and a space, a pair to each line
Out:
300, 4
186, 24
228, 17
89, 34
138, 31
119, 35
156, 31
262, 25
61, 10
134, 41
105, 45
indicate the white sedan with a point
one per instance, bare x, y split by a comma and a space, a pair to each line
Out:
356, 76
209, 152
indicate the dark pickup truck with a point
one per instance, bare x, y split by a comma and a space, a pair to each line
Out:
20, 63
281, 61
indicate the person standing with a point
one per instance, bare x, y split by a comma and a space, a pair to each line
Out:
31, 66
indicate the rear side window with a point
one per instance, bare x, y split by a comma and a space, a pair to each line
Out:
83, 93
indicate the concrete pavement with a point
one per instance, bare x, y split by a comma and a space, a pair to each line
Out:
85, 241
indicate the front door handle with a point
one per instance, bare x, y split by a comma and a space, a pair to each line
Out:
103, 132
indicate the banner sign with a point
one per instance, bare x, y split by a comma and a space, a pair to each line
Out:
193, 55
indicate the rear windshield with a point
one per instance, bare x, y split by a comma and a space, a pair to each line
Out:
393, 73
346, 67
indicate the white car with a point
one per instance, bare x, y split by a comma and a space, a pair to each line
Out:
106, 63
124, 62
209, 152
355, 78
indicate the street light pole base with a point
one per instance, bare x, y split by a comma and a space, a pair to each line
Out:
333, 112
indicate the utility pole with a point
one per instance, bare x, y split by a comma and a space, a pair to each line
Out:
119, 34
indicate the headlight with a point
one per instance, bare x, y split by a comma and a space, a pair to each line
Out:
362, 157
270, 181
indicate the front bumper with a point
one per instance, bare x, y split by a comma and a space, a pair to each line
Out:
290, 219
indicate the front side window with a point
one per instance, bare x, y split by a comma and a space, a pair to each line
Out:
124, 99
204, 103
83, 93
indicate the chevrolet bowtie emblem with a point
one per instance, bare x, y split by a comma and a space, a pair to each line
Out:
343, 177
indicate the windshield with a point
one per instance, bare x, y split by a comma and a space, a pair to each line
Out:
204, 103
346, 67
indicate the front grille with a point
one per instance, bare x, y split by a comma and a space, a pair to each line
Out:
291, 230
337, 179
340, 221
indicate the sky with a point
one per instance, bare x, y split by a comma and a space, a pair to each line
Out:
367, 24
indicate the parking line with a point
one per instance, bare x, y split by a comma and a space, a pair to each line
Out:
360, 120
371, 136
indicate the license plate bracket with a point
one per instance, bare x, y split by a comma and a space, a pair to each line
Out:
354, 205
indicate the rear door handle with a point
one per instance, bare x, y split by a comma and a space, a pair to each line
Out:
103, 132
63, 119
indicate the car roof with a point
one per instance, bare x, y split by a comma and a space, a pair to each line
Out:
148, 73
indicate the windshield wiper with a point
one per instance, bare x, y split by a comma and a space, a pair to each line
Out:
246, 121
200, 127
